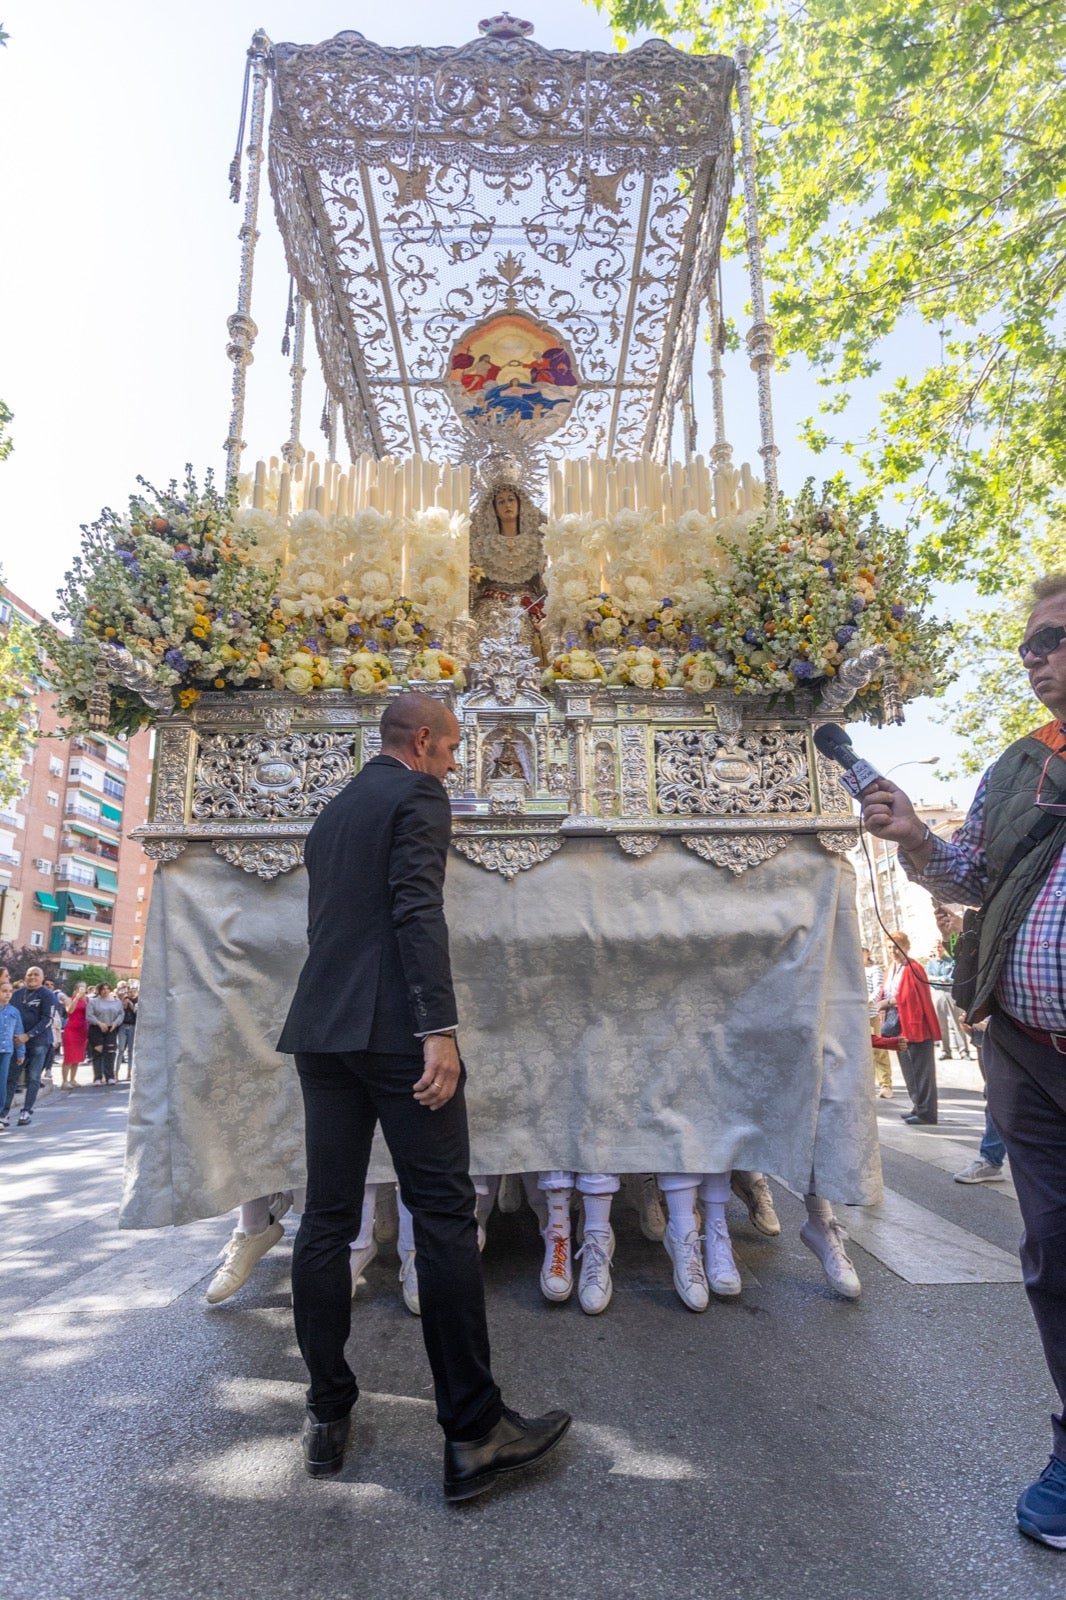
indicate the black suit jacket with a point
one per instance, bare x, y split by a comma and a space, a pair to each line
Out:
377, 971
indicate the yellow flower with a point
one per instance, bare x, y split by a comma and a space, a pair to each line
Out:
220, 683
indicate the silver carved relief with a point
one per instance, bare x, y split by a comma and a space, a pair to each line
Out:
267, 858
507, 856
698, 773
173, 752
738, 852
638, 844
636, 798
163, 849
270, 778
838, 841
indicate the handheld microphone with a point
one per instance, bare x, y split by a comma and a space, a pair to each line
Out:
835, 745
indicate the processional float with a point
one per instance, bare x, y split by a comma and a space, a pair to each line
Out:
509, 258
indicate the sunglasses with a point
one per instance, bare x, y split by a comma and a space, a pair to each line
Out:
1042, 642
1056, 807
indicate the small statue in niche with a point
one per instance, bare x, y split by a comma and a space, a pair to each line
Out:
507, 560
506, 761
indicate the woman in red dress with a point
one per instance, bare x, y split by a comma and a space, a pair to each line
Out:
75, 1036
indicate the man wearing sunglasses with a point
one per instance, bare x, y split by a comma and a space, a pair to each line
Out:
1009, 858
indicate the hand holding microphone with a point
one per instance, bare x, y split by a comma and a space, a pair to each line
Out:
886, 811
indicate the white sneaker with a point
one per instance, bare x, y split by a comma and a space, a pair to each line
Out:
722, 1273
409, 1284
239, 1257
690, 1279
753, 1189
980, 1171
650, 1209
557, 1273
360, 1260
826, 1240
595, 1287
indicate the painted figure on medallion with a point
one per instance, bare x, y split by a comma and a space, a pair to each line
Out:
511, 370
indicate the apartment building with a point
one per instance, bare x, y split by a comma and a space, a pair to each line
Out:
72, 884
901, 903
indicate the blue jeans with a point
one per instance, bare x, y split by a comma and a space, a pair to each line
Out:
6, 1058
992, 1147
36, 1055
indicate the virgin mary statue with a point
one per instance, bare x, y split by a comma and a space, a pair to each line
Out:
507, 562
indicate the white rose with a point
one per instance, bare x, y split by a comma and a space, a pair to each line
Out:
298, 679
431, 671
610, 627
362, 681
403, 632
582, 669
703, 678
644, 655
642, 675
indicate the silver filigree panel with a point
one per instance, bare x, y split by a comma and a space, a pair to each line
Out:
270, 778
700, 773
422, 190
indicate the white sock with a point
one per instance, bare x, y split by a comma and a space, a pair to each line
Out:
818, 1210
681, 1206
254, 1215
485, 1188
366, 1221
597, 1212
405, 1242
714, 1192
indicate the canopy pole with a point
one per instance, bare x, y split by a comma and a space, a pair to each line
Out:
242, 330
293, 450
721, 451
760, 337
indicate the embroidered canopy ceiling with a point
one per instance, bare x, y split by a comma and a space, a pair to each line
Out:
501, 237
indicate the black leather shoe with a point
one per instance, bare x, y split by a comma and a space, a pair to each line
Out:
324, 1445
472, 1466
930, 1121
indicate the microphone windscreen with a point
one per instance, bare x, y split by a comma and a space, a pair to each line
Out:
831, 740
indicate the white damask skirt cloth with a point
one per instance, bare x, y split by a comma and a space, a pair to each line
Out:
618, 1014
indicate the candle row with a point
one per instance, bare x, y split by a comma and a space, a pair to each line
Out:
396, 488
593, 486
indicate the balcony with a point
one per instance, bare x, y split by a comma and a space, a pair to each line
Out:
65, 876
100, 916
90, 847
74, 808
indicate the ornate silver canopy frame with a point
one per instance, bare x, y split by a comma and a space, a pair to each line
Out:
421, 190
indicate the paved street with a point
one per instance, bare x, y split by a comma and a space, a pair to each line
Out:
786, 1446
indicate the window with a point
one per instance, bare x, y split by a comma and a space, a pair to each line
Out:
53, 798
140, 893
55, 766
114, 787
48, 831
98, 947
37, 939
139, 917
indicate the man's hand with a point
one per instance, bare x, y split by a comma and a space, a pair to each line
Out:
20, 1038
947, 921
439, 1081
888, 814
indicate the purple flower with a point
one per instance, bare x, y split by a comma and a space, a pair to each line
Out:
696, 642
856, 604
750, 636
801, 670
830, 566
355, 630
846, 633
571, 641
666, 604
175, 659
651, 625
418, 627
899, 612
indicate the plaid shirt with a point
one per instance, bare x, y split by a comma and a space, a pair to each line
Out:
1032, 981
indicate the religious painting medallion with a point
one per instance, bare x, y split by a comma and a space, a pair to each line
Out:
513, 371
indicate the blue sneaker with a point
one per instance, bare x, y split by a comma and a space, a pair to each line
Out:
1041, 1510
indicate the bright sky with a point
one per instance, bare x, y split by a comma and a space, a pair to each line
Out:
117, 122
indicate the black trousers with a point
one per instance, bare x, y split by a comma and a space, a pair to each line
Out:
918, 1065
345, 1096
1026, 1084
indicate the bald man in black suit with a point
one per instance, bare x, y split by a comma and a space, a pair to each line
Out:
373, 1028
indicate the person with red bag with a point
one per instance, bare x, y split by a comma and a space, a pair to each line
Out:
906, 992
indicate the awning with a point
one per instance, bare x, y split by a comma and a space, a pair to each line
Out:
47, 902
111, 813
80, 903
99, 899
106, 879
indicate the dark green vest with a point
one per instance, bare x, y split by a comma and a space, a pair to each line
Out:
1009, 816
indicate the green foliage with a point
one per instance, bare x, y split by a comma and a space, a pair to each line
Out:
912, 167
91, 974
997, 705
19, 666
6, 442
19, 958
